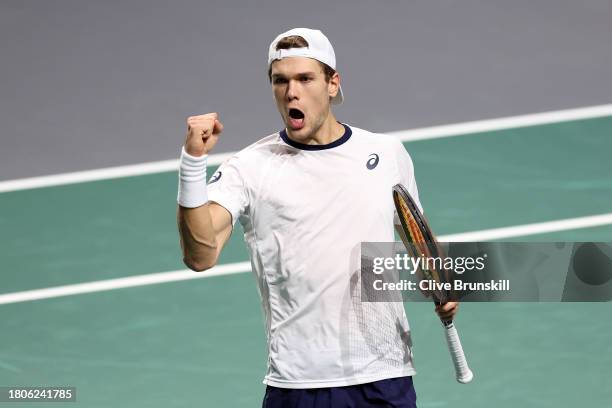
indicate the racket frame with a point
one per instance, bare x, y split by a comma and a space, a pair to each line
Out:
463, 373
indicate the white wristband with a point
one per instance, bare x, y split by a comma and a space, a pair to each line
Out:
192, 190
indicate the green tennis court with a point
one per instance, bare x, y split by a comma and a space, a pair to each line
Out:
200, 342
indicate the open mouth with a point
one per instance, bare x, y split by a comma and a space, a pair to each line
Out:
296, 119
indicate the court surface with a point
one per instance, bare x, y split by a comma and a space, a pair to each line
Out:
200, 342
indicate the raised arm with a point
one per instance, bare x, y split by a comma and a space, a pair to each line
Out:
204, 227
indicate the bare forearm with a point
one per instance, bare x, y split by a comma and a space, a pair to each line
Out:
198, 237
203, 226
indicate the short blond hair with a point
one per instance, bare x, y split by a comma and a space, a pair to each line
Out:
296, 41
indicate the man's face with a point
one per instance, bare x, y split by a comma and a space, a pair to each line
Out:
302, 94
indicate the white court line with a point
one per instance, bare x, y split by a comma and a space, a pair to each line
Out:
101, 174
458, 129
128, 282
239, 267
512, 122
530, 229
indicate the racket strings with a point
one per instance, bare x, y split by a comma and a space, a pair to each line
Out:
414, 232
421, 243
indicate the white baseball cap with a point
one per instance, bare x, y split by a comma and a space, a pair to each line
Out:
318, 48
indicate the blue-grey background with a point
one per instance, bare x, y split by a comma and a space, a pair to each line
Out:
89, 84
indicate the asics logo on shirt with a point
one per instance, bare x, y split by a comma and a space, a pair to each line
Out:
372, 161
215, 177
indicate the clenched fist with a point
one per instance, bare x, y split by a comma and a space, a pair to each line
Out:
202, 133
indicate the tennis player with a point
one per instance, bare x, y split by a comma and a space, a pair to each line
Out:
306, 197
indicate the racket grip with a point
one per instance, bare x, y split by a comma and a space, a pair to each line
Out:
462, 370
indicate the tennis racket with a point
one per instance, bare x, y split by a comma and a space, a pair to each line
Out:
419, 241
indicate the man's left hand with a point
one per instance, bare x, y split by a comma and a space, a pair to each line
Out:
448, 310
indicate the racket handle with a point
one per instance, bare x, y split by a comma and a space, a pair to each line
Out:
462, 370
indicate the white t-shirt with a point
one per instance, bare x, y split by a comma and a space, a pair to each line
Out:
305, 210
